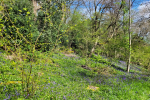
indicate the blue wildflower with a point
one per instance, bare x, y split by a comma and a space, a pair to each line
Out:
64, 97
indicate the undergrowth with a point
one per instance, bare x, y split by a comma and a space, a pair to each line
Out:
58, 77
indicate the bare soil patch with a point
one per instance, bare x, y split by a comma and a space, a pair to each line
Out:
71, 55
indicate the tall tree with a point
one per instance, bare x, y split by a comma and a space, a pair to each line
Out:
128, 64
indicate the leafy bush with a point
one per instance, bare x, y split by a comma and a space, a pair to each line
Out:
51, 25
141, 55
100, 59
20, 28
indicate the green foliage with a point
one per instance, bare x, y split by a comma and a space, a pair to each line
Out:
100, 59
140, 56
19, 24
50, 24
79, 35
1, 26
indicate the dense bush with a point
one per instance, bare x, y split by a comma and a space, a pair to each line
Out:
50, 24
19, 24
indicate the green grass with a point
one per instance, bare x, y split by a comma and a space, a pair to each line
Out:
62, 78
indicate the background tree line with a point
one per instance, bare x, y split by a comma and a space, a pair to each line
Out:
60, 24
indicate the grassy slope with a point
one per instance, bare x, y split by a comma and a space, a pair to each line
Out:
62, 77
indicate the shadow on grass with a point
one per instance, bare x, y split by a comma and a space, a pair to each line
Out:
118, 68
103, 79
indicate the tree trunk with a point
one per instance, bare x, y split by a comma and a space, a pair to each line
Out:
94, 47
35, 7
128, 64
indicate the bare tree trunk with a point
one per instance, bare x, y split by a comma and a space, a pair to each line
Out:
128, 64
35, 7
92, 50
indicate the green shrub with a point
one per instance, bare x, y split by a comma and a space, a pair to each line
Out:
19, 24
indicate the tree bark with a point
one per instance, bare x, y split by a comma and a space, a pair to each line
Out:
92, 50
35, 7
128, 64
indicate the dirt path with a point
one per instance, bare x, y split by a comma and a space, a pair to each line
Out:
71, 55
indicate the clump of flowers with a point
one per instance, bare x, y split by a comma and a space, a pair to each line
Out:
11, 82
93, 88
